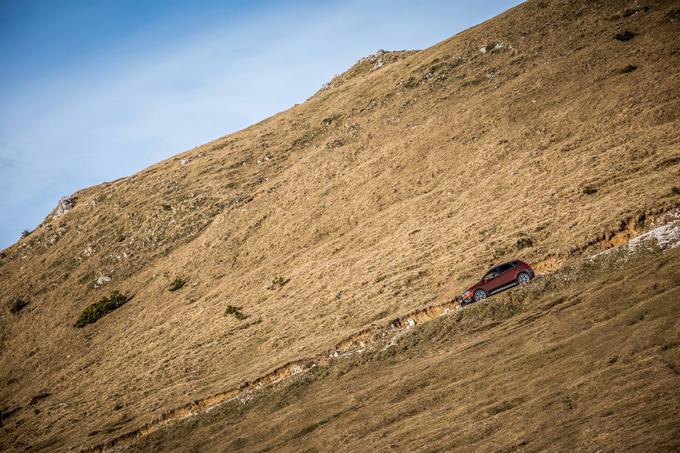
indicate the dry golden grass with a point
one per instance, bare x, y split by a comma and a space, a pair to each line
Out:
390, 190
591, 364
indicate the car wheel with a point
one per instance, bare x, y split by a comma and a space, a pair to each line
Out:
523, 278
480, 294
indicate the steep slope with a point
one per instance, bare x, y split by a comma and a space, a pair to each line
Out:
389, 189
583, 360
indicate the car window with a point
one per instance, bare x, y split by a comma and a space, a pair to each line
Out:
491, 274
504, 267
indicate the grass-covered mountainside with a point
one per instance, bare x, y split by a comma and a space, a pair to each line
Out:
585, 359
548, 133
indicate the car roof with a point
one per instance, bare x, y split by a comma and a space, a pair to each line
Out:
499, 265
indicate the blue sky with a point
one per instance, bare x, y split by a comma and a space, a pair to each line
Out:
94, 90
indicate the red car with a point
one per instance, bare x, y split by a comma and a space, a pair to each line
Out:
499, 279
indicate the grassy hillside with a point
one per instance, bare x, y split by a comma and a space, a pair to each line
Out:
587, 359
546, 133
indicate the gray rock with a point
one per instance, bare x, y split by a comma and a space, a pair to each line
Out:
102, 280
65, 204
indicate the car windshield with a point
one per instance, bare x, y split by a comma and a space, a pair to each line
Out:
489, 275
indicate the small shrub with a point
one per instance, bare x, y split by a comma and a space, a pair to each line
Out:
625, 36
166, 207
494, 46
306, 138
17, 305
633, 11
25, 233
675, 190
589, 190
106, 305
471, 82
673, 16
235, 312
39, 397
278, 282
524, 243
330, 120
628, 69
177, 284
335, 143
411, 82
6, 413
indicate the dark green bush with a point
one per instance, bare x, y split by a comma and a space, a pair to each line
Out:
6, 413
278, 282
236, 312
17, 305
524, 243
102, 308
25, 233
177, 284
675, 190
589, 190
625, 36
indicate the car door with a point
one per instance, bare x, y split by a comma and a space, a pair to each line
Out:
506, 275
491, 280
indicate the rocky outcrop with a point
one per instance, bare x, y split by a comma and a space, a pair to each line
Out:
65, 204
